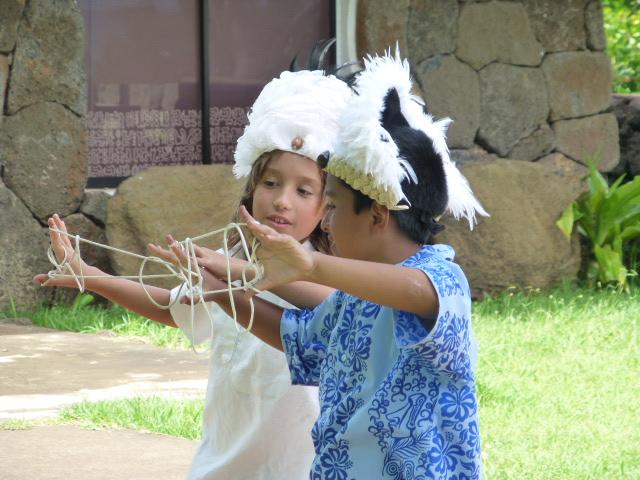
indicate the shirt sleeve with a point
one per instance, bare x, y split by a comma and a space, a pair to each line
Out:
449, 345
199, 329
305, 336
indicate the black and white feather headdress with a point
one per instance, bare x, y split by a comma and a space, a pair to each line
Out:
367, 157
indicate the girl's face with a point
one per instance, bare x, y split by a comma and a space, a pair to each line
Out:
289, 195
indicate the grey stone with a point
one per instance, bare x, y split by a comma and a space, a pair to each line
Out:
23, 248
94, 205
4, 78
185, 201
496, 31
590, 138
431, 29
380, 24
536, 145
44, 151
10, 14
474, 154
579, 83
558, 25
452, 89
519, 245
48, 65
513, 104
572, 172
594, 22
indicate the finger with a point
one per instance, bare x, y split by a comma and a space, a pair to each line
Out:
255, 227
40, 278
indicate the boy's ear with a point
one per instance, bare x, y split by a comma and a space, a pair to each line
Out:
379, 216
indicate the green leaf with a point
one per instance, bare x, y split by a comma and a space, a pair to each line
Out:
566, 220
611, 268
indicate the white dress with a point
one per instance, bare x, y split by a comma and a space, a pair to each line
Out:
256, 424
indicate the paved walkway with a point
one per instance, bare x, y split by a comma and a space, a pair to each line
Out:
43, 370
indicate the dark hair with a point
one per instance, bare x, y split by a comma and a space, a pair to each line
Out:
428, 198
318, 238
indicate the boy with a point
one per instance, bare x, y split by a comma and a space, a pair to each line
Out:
392, 350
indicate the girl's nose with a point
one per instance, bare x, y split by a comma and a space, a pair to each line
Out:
281, 202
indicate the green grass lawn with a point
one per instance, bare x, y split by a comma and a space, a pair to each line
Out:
559, 383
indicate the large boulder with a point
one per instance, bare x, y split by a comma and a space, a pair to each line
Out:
48, 65
185, 201
44, 151
519, 245
23, 248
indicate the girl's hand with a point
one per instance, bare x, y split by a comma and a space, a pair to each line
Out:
209, 282
283, 258
64, 251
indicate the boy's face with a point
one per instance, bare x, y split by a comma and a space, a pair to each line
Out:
347, 230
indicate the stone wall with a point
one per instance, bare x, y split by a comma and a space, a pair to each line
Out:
43, 152
526, 81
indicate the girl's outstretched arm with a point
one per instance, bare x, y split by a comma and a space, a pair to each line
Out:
124, 292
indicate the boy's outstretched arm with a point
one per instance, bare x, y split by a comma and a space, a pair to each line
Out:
266, 324
299, 294
285, 261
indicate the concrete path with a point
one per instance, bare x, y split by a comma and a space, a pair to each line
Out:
43, 370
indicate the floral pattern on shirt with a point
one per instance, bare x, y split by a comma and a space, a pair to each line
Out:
397, 401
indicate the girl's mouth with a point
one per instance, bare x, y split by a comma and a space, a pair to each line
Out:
278, 222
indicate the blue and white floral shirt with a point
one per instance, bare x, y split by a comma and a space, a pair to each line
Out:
396, 401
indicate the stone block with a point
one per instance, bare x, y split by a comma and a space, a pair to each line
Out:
594, 22
579, 83
48, 65
431, 28
513, 104
496, 31
44, 150
23, 247
536, 145
519, 245
452, 89
10, 15
380, 24
94, 205
185, 201
558, 25
587, 138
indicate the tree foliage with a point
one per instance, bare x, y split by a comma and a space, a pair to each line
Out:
622, 26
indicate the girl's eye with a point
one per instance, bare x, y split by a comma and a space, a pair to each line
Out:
269, 183
304, 192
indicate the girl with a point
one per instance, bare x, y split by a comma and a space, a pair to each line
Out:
256, 425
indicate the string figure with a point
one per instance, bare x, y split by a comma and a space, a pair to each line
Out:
191, 279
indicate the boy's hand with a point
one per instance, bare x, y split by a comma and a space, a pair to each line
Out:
283, 258
64, 251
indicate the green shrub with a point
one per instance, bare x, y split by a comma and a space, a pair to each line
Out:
622, 27
608, 217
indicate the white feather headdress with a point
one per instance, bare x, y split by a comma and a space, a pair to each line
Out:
366, 156
297, 112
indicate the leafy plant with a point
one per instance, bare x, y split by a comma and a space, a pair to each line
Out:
608, 217
622, 27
